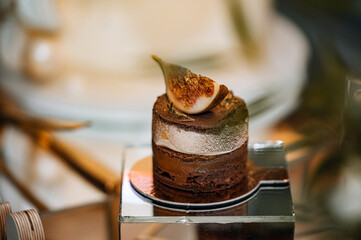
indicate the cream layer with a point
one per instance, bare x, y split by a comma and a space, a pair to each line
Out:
219, 141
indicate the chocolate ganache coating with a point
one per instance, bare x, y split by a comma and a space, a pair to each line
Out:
200, 153
231, 111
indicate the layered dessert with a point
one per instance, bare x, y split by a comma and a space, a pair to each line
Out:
199, 133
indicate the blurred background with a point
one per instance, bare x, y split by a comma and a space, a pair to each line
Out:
78, 84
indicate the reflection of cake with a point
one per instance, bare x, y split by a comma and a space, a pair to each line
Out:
206, 154
162, 191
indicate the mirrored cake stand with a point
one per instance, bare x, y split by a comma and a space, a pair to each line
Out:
261, 207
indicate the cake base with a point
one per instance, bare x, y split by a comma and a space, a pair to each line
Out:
199, 173
142, 181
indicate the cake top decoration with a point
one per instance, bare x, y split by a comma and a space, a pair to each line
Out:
189, 92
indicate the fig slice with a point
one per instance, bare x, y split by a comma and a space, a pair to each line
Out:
189, 92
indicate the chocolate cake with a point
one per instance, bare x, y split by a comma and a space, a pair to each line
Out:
200, 153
